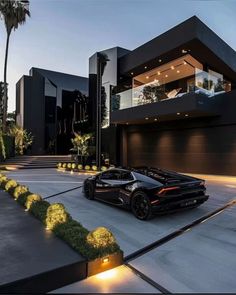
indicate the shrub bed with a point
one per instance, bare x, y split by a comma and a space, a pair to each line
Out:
78, 167
90, 244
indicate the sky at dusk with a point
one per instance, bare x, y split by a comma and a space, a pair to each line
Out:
62, 34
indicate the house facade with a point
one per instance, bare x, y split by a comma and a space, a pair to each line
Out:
170, 103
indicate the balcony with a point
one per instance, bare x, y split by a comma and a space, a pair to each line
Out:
170, 99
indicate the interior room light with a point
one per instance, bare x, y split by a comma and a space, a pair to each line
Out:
145, 67
178, 72
184, 51
185, 63
160, 60
178, 114
147, 77
166, 76
155, 119
186, 115
172, 67
147, 118
158, 73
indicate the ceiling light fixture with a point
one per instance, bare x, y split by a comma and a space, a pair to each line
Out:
147, 118
178, 114
178, 72
147, 77
158, 73
160, 60
155, 119
172, 67
186, 115
184, 51
145, 67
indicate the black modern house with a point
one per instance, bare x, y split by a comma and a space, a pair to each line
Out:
170, 103
51, 105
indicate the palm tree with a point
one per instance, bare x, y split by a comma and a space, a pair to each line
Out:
14, 13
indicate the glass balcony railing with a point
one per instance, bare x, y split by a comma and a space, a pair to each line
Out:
208, 84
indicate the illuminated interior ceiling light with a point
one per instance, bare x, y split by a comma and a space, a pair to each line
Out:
184, 51
155, 119
127, 123
172, 67
178, 114
158, 73
147, 77
186, 115
185, 63
132, 73
145, 67
146, 118
178, 72
166, 76
160, 60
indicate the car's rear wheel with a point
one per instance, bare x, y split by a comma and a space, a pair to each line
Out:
141, 206
89, 190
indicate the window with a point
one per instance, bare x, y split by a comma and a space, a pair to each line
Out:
126, 176
110, 175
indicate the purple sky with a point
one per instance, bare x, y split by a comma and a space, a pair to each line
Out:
62, 34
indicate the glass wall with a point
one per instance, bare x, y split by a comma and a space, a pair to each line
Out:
171, 81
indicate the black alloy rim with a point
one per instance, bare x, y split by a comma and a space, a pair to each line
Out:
140, 206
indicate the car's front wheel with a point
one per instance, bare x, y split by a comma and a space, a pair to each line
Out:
141, 206
89, 190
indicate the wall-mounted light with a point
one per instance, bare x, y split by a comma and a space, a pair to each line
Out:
166, 76
105, 260
184, 51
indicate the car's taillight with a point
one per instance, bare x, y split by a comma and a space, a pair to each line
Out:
163, 191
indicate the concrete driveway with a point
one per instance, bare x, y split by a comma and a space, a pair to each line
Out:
200, 260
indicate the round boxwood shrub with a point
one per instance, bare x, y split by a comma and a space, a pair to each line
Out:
3, 179
69, 165
23, 198
20, 189
100, 237
103, 168
64, 165
59, 165
94, 168
10, 183
73, 166
56, 214
31, 199
87, 167
80, 167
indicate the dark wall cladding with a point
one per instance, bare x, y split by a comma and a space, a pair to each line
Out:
198, 150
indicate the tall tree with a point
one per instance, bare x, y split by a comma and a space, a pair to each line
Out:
14, 13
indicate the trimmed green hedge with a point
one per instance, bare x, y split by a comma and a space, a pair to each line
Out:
91, 245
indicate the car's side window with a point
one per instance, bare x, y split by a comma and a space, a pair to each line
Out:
110, 175
126, 176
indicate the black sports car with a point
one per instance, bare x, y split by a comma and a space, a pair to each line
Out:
146, 190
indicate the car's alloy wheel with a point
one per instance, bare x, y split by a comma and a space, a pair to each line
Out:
89, 191
141, 206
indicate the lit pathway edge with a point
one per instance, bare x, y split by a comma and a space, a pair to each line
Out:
177, 233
